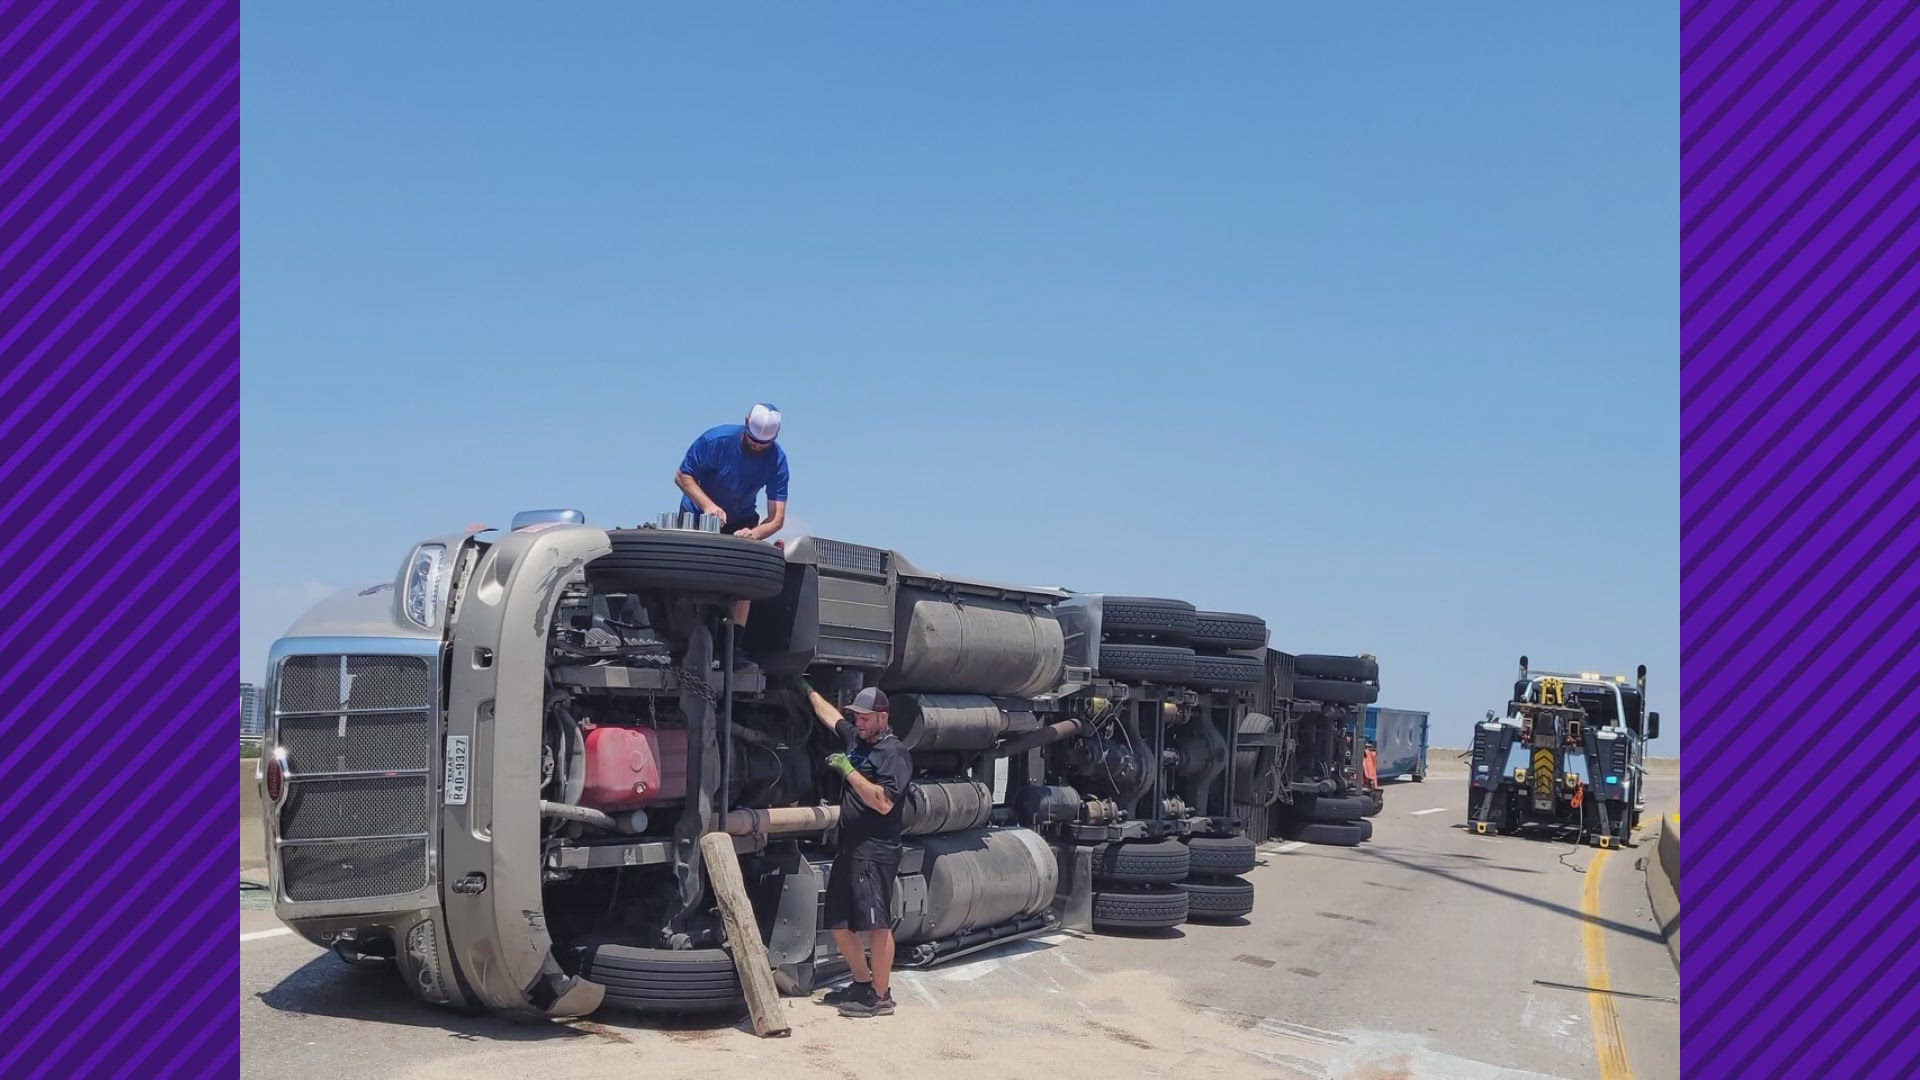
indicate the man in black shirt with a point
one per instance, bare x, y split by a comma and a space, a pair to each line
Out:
859, 898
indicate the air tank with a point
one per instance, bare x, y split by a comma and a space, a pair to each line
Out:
978, 879
950, 643
938, 806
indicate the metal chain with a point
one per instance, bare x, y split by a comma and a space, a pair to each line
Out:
698, 684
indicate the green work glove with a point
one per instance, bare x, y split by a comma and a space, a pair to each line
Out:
840, 763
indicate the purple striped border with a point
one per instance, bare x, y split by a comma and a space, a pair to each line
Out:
118, 475
1800, 562
119, 479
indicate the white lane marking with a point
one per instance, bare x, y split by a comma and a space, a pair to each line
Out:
974, 969
1291, 845
1429, 810
912, 981
258, 934
1061, 955
1021, 974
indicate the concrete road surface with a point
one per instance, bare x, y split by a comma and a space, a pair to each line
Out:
1429, 952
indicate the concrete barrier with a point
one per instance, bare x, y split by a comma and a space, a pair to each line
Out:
1663, 882
253, 833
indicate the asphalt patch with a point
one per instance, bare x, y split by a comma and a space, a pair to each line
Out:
1346, 918
1118, 1035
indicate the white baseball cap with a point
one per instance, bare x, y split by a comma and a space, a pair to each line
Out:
763, 423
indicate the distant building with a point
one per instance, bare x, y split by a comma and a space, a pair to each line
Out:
253, 717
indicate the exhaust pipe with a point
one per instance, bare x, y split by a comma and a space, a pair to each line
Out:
1033, 740
583, 814
781, 820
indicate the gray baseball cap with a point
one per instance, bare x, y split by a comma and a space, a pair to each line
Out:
870, 700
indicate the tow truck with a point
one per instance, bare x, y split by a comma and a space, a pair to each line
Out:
1561, 720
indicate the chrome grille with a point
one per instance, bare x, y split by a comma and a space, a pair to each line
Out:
359, 733
322, 684
368, 742
362, 806
353, 869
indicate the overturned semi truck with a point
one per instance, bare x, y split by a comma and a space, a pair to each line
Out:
493, 772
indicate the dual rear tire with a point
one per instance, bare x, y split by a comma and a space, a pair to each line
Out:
1218, 899
1337, 680
1333, 820
1140, 907
1151, 639
1220, 856
1154, 885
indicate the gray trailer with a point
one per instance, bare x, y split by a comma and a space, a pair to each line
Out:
494, 771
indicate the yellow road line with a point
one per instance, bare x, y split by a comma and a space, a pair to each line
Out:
1607, 1041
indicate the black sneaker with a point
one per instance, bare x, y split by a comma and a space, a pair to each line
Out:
853, 991
868, 1004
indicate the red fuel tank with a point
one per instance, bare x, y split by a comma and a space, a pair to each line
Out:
634, 767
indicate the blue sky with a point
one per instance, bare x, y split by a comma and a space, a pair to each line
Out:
1362, 317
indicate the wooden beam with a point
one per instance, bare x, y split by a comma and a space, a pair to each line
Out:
743, 935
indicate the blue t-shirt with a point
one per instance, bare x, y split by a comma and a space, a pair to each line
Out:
730, 474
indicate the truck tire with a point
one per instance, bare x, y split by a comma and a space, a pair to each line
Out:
1366, 829
664, 980
1172, 664
1228, 630
1167, 621
1333, 690
1337, 808
1337, 834
1218, 899
729, 566
1141, 862
1224, 672
1377, 804
1146, 907
1220, 856
1350, 668
1254, 782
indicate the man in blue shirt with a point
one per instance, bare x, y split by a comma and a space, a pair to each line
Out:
724, 472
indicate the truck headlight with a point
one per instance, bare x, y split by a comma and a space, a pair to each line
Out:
421, 589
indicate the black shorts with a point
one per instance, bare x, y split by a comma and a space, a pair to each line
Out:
860, 892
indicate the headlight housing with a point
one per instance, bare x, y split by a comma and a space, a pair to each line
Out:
420, 592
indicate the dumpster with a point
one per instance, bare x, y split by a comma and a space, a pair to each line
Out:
1399, 737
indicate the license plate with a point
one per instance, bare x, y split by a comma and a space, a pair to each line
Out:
456, 786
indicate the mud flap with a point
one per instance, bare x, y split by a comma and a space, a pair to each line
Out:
1073, 892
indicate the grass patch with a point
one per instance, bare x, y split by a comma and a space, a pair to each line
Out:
249, 751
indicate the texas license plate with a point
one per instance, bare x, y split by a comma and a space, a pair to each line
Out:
456, 785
